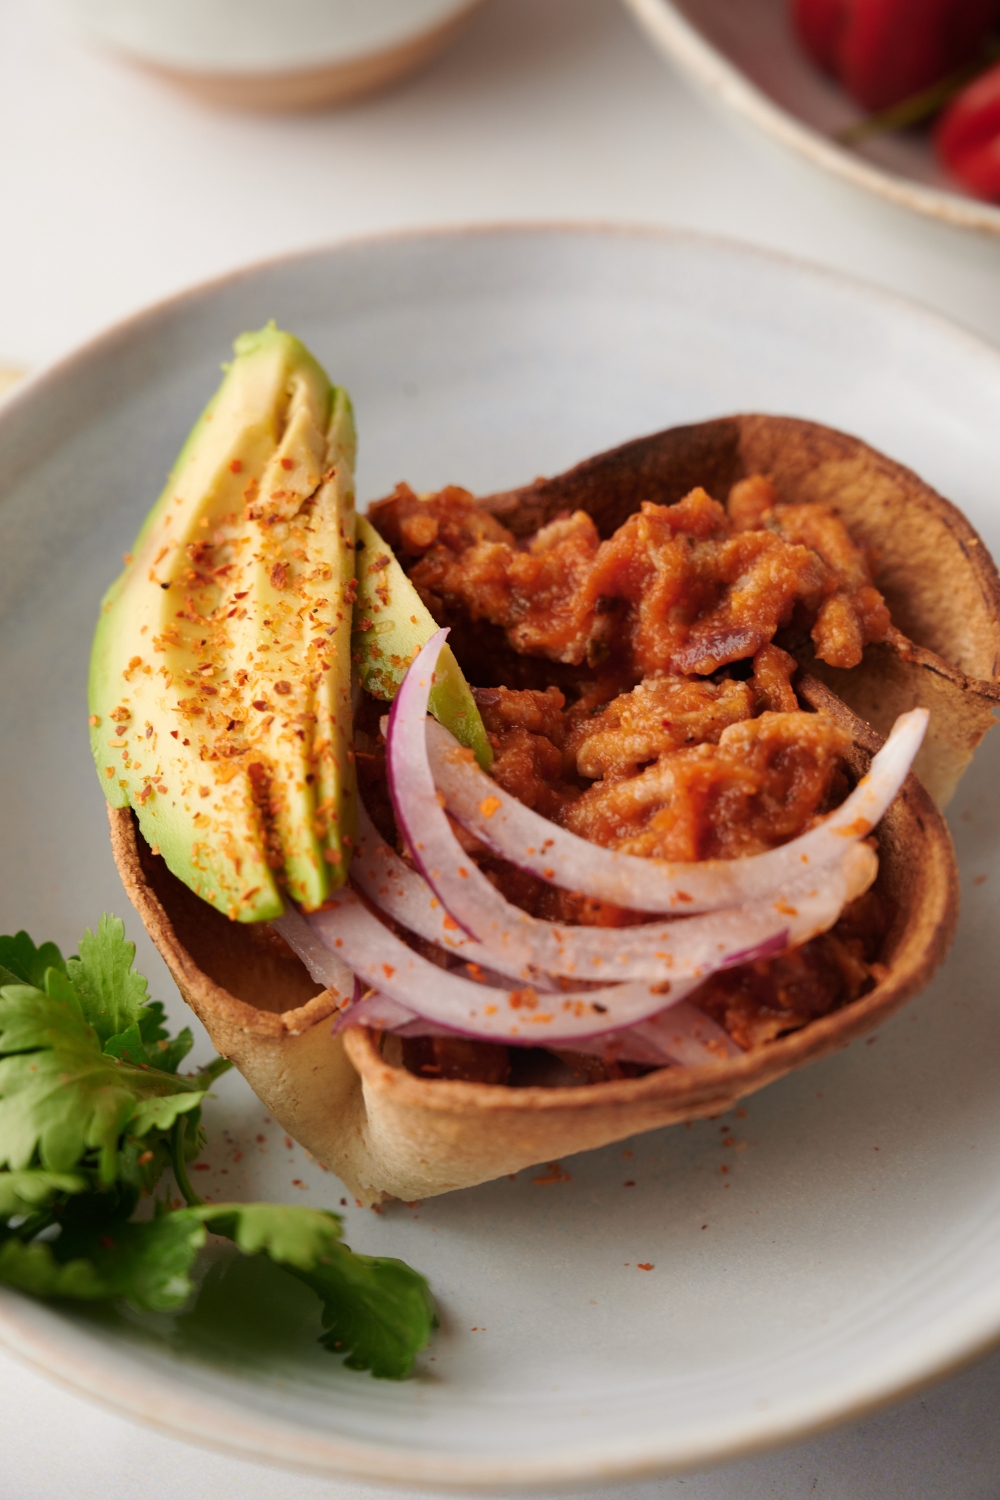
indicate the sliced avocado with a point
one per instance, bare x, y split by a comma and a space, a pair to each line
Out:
391, 623
220, 672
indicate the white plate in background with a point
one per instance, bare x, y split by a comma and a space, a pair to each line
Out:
746, 54
845, 1247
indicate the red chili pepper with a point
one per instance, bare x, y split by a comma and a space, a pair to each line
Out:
967, 138
883, 51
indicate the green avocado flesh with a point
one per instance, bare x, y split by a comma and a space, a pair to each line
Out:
220, 675
391, 623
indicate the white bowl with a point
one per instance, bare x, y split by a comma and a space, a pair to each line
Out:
275, 54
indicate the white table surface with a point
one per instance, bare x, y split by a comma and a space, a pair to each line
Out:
116, 192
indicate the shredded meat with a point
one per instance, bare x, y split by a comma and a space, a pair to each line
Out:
758, 786
527, 730
759, 1002
661, 714
681, 589
853, 611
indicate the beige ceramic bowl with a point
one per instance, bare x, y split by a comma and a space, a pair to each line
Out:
259, 55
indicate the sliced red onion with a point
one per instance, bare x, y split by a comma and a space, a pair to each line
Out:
383, 1014
384, 962
561, 858
402, 894
680, 1035
810, 902
325, 967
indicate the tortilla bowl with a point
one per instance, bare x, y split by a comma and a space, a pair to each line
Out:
387, 1132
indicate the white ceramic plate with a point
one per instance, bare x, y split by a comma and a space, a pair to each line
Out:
844, 1246
744, 52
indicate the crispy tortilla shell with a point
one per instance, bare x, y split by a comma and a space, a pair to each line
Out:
938, 579
388, 1133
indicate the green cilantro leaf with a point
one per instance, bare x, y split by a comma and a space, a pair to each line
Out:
91, 1113
162, 1050
289, 1234
149, 1264
112, 995
27, 1192
33, 1268
22, 963
376, 1311
60, 1095
162, 1112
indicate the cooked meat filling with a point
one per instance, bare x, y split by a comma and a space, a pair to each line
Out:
681, 589
674, 731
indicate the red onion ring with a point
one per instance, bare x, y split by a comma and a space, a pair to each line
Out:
325, 967
810, 901
402, 894
555, 855
681, 1035
383, 961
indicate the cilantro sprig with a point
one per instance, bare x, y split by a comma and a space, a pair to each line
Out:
93, 1111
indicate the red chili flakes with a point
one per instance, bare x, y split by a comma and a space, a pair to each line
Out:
980, 880
147, 1156
644, 1265
260, 704
236, 466
343, 1202
201, 1166
287, 463
261, 1138
554, 1173
282, 687
630, 1183
279, 576
297, 1182
289, 1143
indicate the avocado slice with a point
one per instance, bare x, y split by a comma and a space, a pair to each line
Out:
391, 623
220, 673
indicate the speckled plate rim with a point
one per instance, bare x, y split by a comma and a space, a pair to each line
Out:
63, 1350
678, 39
